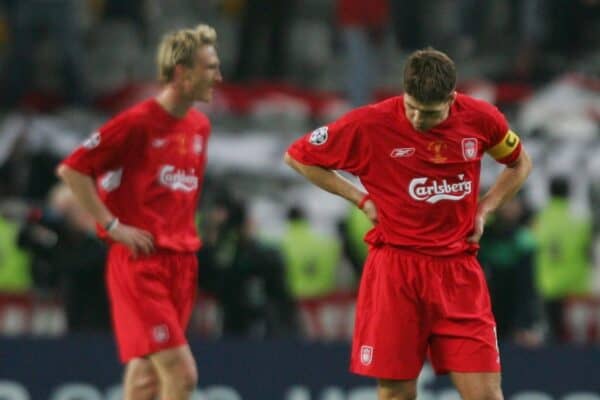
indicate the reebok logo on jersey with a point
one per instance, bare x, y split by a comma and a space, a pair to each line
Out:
402, 152
159, 142
177, 179
422, 189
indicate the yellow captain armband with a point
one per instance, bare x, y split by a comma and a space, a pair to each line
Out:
506, 146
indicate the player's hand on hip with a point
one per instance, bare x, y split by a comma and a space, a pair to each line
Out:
370, 211
137, 240
478, 227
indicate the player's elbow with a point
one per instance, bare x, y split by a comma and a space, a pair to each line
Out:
61, 171
289, 160
294, 164
527, 163
66, 174
522, 165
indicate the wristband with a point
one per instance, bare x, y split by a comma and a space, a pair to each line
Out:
362, 201
111, 225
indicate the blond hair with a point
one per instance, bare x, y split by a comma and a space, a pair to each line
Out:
179, 47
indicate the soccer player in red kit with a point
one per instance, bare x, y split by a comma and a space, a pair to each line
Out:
140, 176
422, 290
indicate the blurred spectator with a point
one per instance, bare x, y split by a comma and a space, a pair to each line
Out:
507, 252
311, 258
27, 172
14, 263
557, 28
407, 21
525, 27
63, 235
594, 197
16, 164
363, 26
39, 237
572, 27
31, 22
245, 276
264, 27
41, 177
563, 256
132, 10
352, 230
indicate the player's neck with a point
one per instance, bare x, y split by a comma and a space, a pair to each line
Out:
173, 102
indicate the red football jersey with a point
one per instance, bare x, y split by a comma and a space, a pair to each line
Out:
149, 167
424, 184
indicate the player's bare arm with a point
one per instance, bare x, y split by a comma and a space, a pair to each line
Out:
505, 187
334, 183
84, 189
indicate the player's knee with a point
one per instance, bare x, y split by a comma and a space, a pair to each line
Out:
189, 379
396, 390
147, 383
141, 381
494, 393
184, 376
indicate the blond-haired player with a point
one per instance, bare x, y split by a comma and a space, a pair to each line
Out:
140, 176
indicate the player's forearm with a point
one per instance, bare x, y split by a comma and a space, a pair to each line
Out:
328, 180
84, 190
508, 183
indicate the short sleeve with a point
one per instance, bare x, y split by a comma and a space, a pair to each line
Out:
104, 149
504, 144
341, 145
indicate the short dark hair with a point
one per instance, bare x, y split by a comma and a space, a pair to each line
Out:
559, 187
429, 76
236, 208
295, 213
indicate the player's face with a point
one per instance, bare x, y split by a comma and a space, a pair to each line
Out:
425, 116
205, 73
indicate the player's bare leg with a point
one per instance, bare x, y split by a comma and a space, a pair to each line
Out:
177, 372
389, 389
141, 381
477, 385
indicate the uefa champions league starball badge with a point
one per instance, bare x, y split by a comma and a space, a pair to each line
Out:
92, 141
318, 136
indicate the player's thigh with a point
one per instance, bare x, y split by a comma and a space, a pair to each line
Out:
176, 363
140, 378
390, 330
477, 385
463, 336
391, 389
146, 317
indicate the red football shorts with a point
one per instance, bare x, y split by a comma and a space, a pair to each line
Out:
151, 298
412, 305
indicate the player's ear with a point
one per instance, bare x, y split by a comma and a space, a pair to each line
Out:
179, 73
452, 97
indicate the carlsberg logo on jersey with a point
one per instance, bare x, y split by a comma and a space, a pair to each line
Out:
422, 189
177, 179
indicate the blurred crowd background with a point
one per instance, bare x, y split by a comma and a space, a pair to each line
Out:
282, 258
